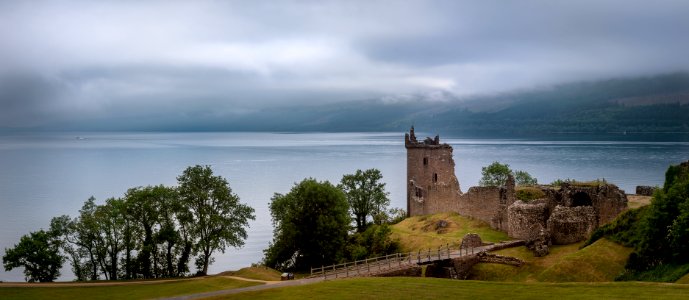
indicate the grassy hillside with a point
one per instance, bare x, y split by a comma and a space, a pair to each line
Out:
684, 279
131, 290
432, 231
257, 273
601, 261
431, 288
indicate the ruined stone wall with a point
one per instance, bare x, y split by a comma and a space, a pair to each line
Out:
526, 220
432, 186
568, 225
488, 204
414, 271
645, 190
607, 200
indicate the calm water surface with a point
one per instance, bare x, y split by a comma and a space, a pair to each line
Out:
47, 175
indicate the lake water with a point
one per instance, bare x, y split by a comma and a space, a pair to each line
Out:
47, 175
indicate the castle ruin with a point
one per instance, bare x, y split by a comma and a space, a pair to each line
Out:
566, 214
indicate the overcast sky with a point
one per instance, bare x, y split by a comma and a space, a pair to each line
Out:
71, 60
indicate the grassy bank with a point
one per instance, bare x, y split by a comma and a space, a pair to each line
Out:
431, 288
128, 290
257, 273
432, 231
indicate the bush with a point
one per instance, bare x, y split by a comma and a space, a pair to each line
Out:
527, 194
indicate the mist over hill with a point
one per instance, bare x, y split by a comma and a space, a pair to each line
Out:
655, 104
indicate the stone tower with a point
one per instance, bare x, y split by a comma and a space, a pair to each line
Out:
432, 186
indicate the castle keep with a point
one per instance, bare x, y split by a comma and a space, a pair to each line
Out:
566, 214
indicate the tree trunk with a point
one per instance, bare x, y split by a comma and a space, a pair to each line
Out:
170, 268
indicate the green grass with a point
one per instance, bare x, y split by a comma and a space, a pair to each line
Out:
599, 262
258, 273
421, 232
127, 291
529, 193
684, 279
432, 288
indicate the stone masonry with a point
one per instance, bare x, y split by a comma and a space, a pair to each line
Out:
567, 214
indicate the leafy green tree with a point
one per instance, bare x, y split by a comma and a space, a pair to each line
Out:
495, 174
38, 253
524, 178
88, 236
218, 218
373, 242
64, 229
310, 226
145, 206
666, 229
111, 219
366, 195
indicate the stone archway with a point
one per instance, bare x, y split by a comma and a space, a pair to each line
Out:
581, 199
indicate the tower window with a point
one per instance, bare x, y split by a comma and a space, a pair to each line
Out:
425, 161
435, 177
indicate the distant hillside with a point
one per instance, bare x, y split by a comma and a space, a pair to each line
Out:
649, 104
657, 104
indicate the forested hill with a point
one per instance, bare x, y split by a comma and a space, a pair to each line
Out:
649, 104
657, 104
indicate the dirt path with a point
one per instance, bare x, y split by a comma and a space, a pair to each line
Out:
269, 285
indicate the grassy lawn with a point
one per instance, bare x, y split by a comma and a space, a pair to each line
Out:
636, 201
431, 288
422, 232
258, 273
125, 291
599, 262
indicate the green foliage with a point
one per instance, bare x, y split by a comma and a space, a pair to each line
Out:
592, 183
495, 174
665, 233
659, 273
365, 194
527, 193
153, 231
218, 220
625, 229
373, 242
396, 215
310, 226
659, 232
524, 178
38, 253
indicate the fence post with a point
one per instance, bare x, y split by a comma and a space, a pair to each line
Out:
418, 256
356, 267
346, 270
368, 266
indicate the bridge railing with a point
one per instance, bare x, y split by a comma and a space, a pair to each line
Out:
389, 262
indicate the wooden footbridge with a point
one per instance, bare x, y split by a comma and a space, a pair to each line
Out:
400, 261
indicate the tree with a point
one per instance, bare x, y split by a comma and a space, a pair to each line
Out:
218, 219
111, 219
310, 226
145, 206
64, 229
524, 178
496, 174
366, 195
39, 254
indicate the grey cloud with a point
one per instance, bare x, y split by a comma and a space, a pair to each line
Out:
145, 61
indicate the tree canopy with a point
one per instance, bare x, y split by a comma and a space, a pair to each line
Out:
496, 174
38, 253
310, 226
218, 219
365, 194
